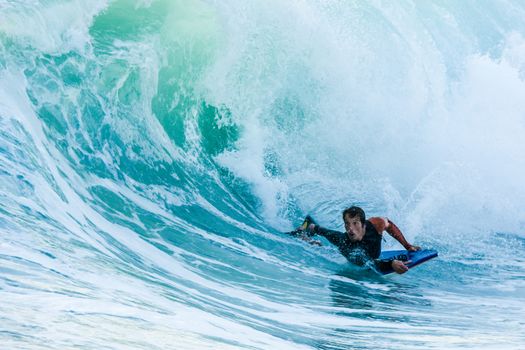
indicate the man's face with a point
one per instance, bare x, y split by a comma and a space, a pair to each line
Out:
354, 229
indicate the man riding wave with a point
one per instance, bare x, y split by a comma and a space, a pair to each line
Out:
361, 240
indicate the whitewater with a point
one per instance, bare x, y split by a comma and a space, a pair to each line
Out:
153, 152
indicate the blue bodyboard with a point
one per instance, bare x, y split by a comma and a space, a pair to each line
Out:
416, 257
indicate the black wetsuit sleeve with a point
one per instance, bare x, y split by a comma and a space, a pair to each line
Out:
384, 266
294, 233
334, 237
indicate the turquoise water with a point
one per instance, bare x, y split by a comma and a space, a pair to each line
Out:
151, 152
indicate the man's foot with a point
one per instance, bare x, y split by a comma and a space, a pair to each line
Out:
308, 220
302, 229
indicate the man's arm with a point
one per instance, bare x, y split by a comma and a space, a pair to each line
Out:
334, 237
384, 224
303, 235
398, 266
395, 232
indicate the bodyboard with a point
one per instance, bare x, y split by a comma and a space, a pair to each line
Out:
417, 257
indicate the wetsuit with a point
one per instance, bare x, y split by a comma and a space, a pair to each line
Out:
369, 248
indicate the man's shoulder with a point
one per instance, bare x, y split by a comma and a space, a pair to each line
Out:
379, 223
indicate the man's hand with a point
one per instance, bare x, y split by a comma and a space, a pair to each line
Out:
399, 266
309, 230
414, 248
310, 240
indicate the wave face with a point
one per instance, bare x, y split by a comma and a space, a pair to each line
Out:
152, 152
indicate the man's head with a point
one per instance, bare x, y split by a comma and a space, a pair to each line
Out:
354, 218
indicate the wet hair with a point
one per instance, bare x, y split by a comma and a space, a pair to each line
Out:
354, 211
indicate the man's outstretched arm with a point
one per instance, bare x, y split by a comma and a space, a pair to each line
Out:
334, 237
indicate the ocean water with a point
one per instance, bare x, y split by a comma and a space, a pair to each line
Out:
153, 152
